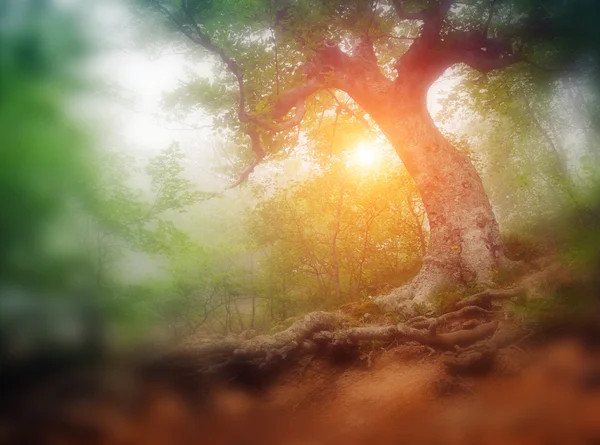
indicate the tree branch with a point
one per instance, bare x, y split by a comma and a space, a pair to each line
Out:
434, 19
295, 97
365, 52
346, 108
194, 33
482, 62
481, 53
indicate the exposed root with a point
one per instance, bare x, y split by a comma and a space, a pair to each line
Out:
321, 333
405, 333
468, 333
211, 356
480, 356
418, 292
484, 299
432, 323
433, 276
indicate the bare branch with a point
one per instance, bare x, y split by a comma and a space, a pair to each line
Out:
346, 108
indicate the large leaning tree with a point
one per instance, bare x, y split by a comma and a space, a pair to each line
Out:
286, 62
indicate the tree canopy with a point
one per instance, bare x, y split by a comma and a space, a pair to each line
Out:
271, 51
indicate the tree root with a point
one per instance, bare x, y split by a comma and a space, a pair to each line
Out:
319, 333
484, 299
209, 356
480, 356
433, 323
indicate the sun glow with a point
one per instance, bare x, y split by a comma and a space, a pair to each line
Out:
365, 155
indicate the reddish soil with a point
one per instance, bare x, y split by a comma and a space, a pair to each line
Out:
405, 396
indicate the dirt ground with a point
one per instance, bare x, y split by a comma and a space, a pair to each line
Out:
402, 395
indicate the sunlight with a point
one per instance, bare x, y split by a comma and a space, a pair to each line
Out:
365, 155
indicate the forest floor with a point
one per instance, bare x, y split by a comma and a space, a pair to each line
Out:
355, 384
404, 396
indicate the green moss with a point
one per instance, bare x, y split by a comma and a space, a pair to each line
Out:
446, 297
522, 247
509, 274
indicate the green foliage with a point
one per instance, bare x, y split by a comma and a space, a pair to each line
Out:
445, 298
43, 167
337, 237
510, 273
522, 247
47, 298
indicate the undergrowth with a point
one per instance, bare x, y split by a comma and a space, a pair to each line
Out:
446, 297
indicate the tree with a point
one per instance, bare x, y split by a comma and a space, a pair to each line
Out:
384, 55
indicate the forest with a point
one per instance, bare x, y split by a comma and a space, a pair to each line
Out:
279, 214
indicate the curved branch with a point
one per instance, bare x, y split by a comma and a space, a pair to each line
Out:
484, 63
295, 98
481, 53
349, 110
259, 156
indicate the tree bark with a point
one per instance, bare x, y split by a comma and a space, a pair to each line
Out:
465, 243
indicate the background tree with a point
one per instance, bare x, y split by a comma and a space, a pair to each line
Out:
48, 305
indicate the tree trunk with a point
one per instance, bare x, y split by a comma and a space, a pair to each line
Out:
465, 243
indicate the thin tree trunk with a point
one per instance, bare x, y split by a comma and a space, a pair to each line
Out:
336, 231
227, 315
253, 311
253, 292
237, 313
363, 258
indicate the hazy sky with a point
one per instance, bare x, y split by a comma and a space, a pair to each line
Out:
133, 84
